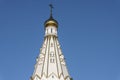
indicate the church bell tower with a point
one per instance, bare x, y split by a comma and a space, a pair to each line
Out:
50, 64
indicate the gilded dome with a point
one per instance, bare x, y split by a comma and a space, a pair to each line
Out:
51, 22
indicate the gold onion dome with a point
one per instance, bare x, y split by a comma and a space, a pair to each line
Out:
51, 22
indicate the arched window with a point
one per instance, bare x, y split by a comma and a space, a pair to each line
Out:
51, 30
52, 54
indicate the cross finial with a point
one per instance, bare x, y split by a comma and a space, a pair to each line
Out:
51, 7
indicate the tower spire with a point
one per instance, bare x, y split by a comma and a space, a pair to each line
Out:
50, 64
51, 7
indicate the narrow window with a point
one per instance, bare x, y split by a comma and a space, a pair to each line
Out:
52, 76
52, 60
52, 54
51, 30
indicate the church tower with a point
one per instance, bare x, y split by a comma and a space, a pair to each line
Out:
50, 64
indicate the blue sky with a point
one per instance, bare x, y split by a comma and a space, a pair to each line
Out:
89, 34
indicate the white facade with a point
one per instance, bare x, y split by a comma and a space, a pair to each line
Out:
50, 65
